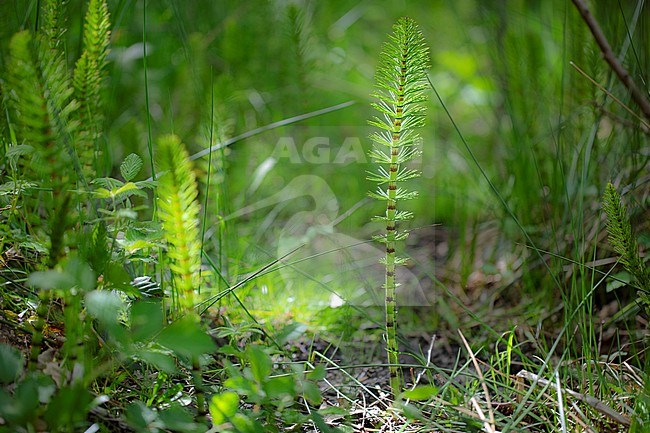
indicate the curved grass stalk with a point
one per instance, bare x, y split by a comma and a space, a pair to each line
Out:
400, 81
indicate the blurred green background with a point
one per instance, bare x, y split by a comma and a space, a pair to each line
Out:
546, 137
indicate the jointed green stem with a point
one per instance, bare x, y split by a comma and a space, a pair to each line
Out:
391, 207
401, 79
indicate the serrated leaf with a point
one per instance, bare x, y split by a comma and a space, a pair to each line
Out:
126, 189
14, 153
107, 183
151, 184
130, 167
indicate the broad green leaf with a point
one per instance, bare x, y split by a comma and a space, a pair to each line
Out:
177, 418
260, 363
318, 373
290, 332
116, 278
105, 306
126, 213
83, 276
319, 421
45, 386
160, 360
139, 416
102, 193
420, 393
186, 338
411, 412
68, 407
11, 363
223, 407
620, 279
244, 386
146, 320
312, 393
21, 406
279, 387
76, 274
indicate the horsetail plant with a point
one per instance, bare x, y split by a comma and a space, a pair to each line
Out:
400, 80
178, 210
621, 237
88, 79
40, 108
179, 213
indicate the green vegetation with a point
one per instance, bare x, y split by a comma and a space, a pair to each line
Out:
401, 79
624, 242
186, 241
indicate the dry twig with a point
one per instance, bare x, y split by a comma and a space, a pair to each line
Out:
611, 59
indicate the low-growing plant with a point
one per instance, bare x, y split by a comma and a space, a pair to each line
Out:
623, 240
274, 395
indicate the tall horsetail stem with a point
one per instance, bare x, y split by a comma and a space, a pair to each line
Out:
178, 209
400, 80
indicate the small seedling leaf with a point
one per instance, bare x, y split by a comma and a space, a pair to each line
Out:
131, 167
